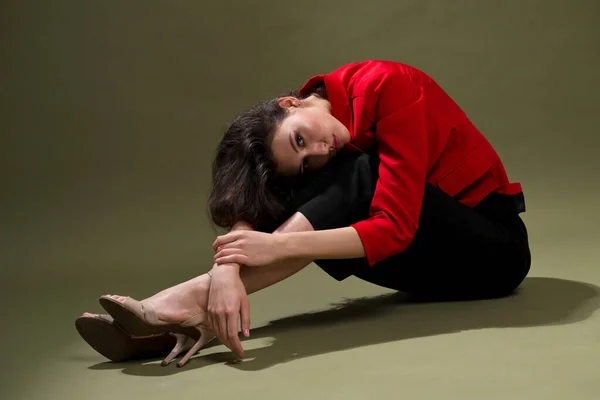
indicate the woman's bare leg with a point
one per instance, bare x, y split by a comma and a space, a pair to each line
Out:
256, 279
180, 302
348, 186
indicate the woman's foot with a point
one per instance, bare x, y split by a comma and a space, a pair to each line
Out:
180, 309
178, 303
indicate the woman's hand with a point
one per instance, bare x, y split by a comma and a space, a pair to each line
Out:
228, 301
249, 248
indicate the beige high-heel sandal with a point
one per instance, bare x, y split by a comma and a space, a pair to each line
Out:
110, 340
141, 319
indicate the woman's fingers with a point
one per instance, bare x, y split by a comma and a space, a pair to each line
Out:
230, 245
214, 324
245, 316
232, 334
228, 252
232, 259
216, 244
218, 322
222, 321
231, 255
223, 240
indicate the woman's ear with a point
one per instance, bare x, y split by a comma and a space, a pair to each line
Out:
288, 102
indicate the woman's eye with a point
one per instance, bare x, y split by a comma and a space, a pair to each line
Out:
299, 140
305, 164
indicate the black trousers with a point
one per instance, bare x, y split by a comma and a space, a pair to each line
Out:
458, 252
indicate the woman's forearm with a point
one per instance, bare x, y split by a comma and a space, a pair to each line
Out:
296, 223
339, 243
255, 279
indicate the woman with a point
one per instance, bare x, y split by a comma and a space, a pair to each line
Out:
377, 173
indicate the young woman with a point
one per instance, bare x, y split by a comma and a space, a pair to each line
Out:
370, 171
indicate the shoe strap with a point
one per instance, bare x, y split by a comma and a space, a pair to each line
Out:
149, 313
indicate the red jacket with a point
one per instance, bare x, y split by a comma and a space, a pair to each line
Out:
421, 135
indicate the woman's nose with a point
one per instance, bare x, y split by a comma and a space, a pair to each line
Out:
321, 149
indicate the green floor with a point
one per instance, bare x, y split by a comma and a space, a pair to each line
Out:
109, 117
315, 338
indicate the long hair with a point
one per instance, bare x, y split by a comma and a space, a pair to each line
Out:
245, 187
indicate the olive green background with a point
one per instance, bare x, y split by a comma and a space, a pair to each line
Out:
110, 113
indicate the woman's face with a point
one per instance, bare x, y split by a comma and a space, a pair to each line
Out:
308, 137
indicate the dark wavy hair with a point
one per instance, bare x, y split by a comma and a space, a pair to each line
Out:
245, 187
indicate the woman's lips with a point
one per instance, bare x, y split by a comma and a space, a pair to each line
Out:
336, 143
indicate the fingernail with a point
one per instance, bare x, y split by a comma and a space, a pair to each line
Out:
247, 332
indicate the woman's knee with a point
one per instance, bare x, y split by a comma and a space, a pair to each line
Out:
341, 194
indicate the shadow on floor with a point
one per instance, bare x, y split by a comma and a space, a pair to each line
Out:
392, 317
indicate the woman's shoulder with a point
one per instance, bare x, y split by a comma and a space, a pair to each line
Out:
368, 77
377, 66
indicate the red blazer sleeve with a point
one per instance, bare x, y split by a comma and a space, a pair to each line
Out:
401, 136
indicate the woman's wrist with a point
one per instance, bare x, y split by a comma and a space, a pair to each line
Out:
231, 267
292, 247
225, 268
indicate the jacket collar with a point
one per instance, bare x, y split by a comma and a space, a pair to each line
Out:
337, 95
